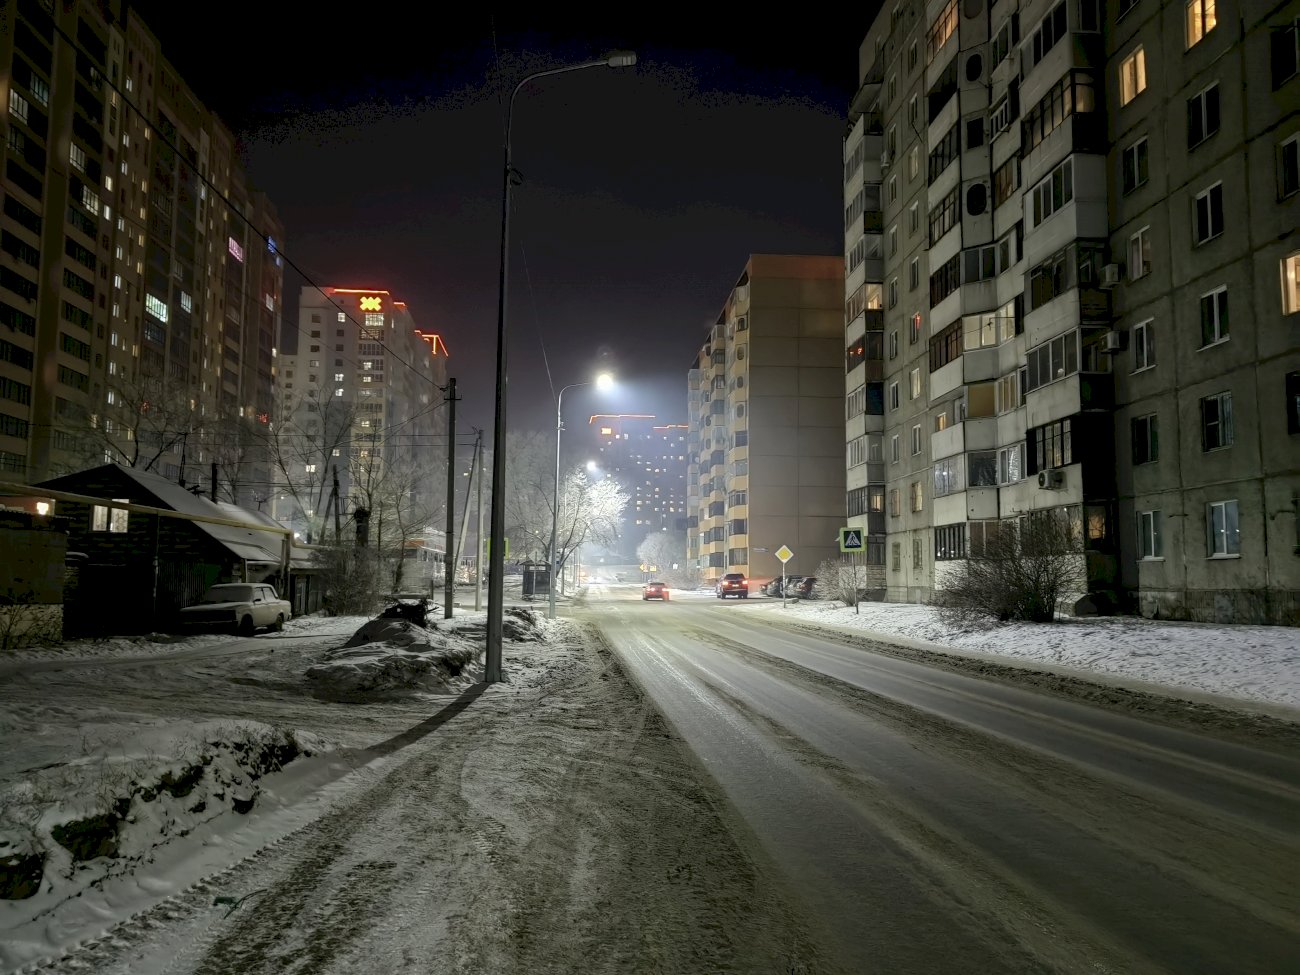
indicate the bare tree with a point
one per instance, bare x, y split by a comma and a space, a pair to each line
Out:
302, 446
843, 579
143, 418
665, 552
1021, 571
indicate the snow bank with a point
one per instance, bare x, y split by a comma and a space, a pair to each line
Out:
389, 657
75, 824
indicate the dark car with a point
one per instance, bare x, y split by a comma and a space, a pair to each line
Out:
805, 589
654, 590
732, 584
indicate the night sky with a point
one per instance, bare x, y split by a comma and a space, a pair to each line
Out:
645, 189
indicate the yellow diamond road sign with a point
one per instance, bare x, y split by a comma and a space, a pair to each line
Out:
784, 554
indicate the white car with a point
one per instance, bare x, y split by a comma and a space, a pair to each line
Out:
244, 607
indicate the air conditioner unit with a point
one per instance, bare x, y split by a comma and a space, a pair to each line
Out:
1110, 276
1052, 479
1115, 341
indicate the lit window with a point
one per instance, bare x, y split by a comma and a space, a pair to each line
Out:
1132, 76
1200, 20
339, 391
311, 468
77, 156
338, 377
1291, 284
18, 106
342, 317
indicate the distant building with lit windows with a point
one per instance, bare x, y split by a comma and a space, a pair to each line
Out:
648, 459
360, 397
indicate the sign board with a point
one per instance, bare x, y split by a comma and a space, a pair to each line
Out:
784, 554
852, 539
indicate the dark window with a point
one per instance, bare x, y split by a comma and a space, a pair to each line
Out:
950, 542
1202, 116
1134, 166
12, 389
1284, 43
945, 280
1216, 421
1146, 442
946, 346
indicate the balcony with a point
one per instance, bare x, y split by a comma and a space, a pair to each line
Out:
1066, 397
975, 366
973, 504
978, 433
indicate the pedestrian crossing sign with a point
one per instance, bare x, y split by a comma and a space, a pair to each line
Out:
851, 540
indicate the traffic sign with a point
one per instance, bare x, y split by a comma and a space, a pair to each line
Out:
852, 540
784, 554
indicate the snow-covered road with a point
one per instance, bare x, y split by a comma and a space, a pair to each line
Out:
927, 815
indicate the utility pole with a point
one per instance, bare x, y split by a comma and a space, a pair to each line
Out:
334, 500
478, 556
449, 573
464, 509
214, 482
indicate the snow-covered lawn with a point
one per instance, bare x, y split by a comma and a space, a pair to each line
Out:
1248, 663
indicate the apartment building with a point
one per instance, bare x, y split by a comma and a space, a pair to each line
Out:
648, 459
765, 463
362, 397
1072, 197
140, 284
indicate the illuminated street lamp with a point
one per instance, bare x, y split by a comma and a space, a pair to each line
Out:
497, 563
604, 382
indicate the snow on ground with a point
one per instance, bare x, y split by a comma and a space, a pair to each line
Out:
122, 781
1248, 663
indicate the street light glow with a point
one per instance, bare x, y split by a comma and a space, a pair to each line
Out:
605, 382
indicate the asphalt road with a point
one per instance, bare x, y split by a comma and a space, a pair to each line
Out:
939, 822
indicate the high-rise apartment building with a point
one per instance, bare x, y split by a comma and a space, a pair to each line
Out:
648, 459
140, 288
1082, 221
765, 440
362, 397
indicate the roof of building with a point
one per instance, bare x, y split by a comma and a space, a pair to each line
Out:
253, 544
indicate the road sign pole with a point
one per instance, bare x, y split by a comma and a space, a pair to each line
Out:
783, 585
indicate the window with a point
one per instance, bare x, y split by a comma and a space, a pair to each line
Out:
914, 384
1075, 92
1132, 76
1214, 317
945, 152
1052, 360
1216, 421
913, 56
1051, 446
1139, 254
1150, 538
106, 519
948, 476
1284, 50
1011, 464
916, 443
1008, 395
946, 346
1144, 345
950, 542
893, 344
893, 189
893, 449
1052, 28
913, 162
1054, 192
945, 280
1202, 116
896, 555
895, 503
893, 396
944, 26
1289, 166
914, 328
914, 219
1209, 213
1200, 20
1223, 537
892, 238
917, 546
914, 274
1134, 168
1007, 37
1290, 284
918, 496
945, 215
893, 292
1146, 440
1006, 180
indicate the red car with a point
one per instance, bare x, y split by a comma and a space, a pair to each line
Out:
654, 590
733, 584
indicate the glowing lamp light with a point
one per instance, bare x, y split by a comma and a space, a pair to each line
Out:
42, 507
605, 382
371, 303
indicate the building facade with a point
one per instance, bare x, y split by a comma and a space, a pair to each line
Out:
362, 398
648, 459
140, 284
1088, 266
765, 439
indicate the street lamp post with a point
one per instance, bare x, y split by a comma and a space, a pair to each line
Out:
603, 381
496, 569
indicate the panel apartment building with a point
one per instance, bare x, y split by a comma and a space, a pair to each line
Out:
361, 397
1079, 225
140, 287
765, 463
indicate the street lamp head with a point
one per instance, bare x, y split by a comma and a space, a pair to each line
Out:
605, 382
620, 59
592, 466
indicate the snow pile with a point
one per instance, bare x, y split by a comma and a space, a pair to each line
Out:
1250, 663
106, 812
391, 657
121, 646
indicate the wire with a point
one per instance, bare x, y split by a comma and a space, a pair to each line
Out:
537, 323
266, 240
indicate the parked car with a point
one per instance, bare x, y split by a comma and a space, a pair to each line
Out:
732, 584
244, 607
806, 588
654, 590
